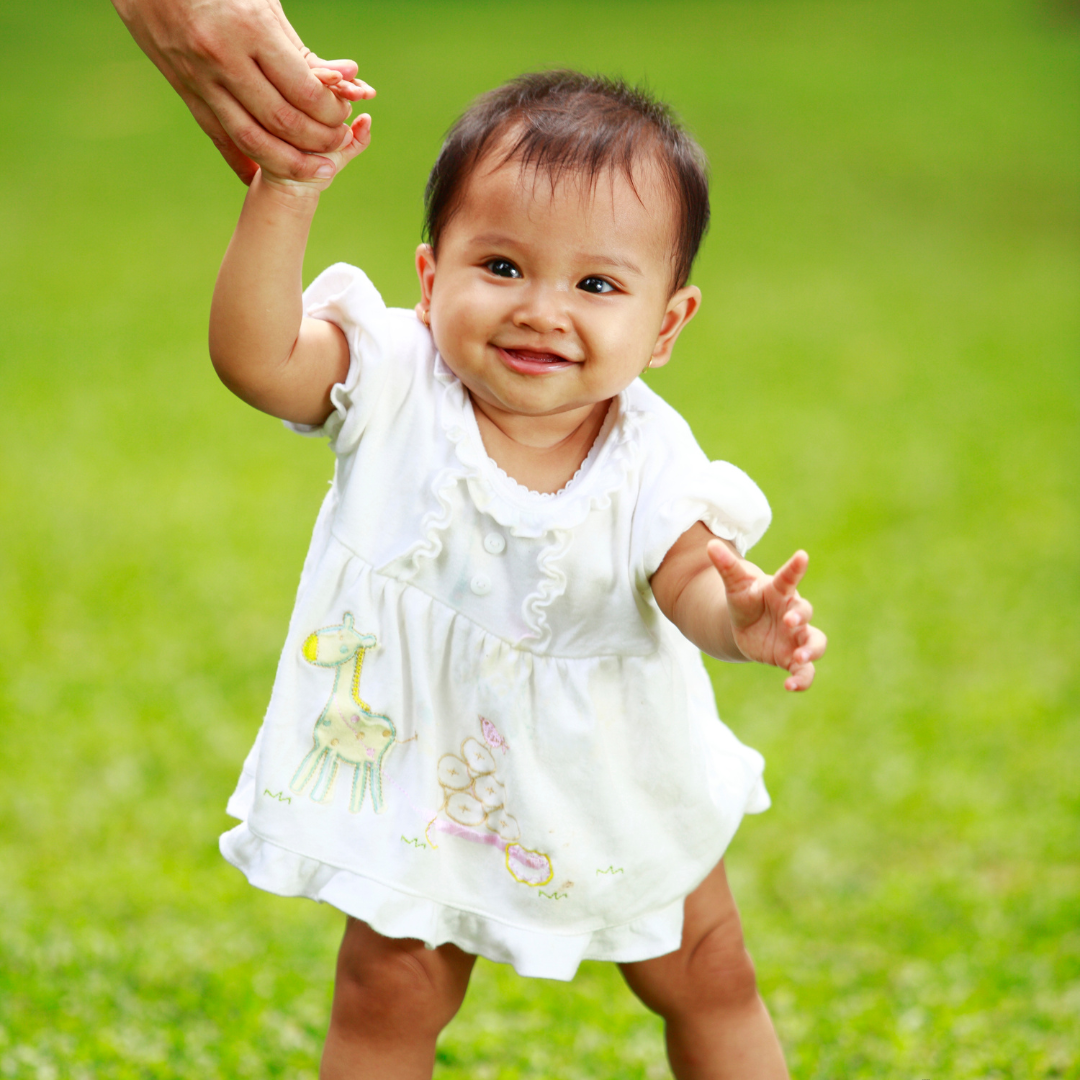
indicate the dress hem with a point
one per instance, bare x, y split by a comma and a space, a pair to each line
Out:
397, 914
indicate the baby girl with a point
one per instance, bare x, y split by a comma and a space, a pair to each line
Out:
491, 731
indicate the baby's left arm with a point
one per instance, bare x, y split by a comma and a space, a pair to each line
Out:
733, 610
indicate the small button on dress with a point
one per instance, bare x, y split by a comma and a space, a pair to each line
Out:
480, 584
494, 544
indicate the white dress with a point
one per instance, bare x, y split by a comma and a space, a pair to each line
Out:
482, 729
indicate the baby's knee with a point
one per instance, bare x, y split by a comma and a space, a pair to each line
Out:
390, 989
719, 972
714, 974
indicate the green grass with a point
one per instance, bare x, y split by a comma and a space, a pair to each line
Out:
889, 345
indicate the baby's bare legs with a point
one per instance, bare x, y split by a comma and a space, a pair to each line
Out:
717, 1025
392, 997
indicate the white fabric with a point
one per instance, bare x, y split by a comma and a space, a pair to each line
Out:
482, 729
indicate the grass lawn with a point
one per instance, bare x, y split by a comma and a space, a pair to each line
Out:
889, 346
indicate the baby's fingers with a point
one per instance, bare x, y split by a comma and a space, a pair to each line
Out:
735, 572
346, 89
799, 613
354, 90
361, 140
786, 579
801, 677
348, 68
811, 647
340, 76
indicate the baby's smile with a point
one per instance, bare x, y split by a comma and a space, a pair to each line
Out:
548, 299
533, 361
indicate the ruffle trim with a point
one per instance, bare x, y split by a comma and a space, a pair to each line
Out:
396, 914
532, 514
524, 513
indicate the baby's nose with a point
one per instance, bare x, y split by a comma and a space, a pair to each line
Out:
543, 308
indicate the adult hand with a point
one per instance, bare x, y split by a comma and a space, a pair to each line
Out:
247, 78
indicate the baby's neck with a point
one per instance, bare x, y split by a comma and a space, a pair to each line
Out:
540, 453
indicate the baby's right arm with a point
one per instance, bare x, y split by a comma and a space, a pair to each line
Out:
262, 346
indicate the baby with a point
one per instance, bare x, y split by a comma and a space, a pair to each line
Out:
491, 732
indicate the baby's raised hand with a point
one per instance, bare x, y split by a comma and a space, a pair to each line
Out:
358, 141
769, 619
340, 77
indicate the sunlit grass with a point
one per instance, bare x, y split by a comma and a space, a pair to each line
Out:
889, 345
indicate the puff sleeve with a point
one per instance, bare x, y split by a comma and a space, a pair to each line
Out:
682, 486
344, 295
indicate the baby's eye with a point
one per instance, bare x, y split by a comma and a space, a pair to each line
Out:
503, 268
596, 285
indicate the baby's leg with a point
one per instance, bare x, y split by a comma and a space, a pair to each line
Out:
392, 997
717, 1025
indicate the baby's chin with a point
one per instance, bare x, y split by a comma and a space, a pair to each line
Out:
530, 408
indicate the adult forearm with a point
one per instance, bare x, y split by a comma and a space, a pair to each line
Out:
246, 77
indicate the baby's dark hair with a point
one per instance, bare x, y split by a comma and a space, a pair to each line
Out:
564, 120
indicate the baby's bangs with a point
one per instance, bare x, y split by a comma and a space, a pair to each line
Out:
563, 121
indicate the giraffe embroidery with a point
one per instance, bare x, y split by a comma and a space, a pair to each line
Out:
347, 730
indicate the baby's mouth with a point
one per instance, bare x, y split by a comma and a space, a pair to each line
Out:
533, 361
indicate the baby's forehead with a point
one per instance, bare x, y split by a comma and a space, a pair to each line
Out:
640, 165
599, 192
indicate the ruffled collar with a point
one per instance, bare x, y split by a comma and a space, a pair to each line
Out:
524, 512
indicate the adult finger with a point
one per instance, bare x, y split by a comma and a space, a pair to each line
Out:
275, 155
237, 160
786, 579
256, 93
283, 22
348, 69
291, 76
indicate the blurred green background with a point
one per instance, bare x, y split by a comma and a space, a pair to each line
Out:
889, 345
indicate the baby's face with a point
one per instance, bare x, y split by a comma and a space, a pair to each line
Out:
547, 301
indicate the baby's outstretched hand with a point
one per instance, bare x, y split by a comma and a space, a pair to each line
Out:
769, 619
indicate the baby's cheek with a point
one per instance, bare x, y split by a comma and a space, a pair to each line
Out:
452, 343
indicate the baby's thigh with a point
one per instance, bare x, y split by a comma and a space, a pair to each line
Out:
397, 984
710, 970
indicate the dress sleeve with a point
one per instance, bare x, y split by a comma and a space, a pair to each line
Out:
684, 488
345, 296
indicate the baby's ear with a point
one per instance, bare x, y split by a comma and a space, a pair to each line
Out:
425, 271
681, 308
